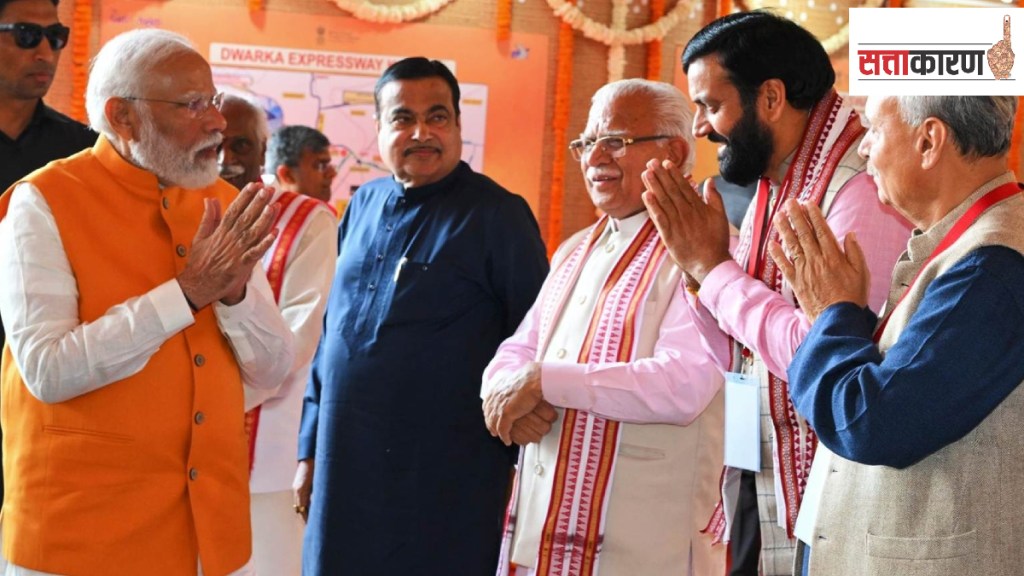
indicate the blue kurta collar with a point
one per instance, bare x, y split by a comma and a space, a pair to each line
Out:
442, 185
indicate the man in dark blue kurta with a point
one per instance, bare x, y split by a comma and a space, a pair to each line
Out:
436, 266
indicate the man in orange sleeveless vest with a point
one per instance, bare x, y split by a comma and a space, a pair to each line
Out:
135, 312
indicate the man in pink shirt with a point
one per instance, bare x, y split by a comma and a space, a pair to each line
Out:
763, 89
625, 479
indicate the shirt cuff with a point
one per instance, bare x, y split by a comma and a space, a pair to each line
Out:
234, 315
563, 385
171, 306
845, 318
716, 282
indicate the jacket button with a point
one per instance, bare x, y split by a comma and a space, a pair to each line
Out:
561, 353
165, 203
181, 250
193, 473
200, 359
200, 418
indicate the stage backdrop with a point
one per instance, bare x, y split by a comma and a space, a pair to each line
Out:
319, 71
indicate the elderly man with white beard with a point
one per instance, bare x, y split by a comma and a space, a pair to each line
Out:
135, 311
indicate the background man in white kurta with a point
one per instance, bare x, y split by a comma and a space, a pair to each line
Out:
300, 268
610, 344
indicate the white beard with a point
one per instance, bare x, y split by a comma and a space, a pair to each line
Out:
172, 165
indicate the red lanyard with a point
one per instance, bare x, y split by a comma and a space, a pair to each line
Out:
762, 224
962, 224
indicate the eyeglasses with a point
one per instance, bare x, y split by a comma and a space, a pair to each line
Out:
614, 146
196, 107
28, 35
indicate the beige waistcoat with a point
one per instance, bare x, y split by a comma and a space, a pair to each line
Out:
960, 511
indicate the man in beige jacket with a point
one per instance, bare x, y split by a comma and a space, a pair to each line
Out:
920, 412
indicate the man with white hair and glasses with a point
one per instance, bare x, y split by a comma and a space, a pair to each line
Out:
918, 409
609, 357
135, 312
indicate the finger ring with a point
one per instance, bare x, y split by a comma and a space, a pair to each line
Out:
300, 509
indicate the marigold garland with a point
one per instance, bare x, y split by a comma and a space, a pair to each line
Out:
255, 5
570, 14
370, 12
503, 20
724, 8
654, 47
81, 25
560, 127
616, 51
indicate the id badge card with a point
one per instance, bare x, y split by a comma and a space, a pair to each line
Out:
742, 421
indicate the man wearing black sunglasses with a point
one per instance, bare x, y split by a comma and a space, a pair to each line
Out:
32, 133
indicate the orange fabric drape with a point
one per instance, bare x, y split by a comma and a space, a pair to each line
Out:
80, 26
724, 8
560, 125
654, 47
503, 20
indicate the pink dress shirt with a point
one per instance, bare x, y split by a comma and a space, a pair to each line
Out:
763, 319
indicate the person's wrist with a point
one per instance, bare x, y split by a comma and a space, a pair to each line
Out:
700, 270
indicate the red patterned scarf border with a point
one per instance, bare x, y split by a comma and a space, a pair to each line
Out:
275, 261
573, 531
830, 131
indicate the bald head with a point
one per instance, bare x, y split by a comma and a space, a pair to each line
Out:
245, 141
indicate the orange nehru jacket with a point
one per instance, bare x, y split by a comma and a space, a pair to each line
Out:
147, 474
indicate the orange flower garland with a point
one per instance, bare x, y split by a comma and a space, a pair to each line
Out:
724, 8
503, 20
81, 25
560, 125
654, 47
255, 5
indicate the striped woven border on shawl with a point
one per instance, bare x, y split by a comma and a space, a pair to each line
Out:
295, 214
553, 296
831, 129
574, 527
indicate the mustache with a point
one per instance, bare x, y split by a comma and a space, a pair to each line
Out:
414, 149
717, 138
43, 68
213, 141
231, 170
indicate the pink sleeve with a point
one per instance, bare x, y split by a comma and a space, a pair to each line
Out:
517, 350
673, 386
763, 320
880, 230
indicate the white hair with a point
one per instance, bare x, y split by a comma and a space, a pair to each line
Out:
249, 101
671, 109
981, 126
121, 67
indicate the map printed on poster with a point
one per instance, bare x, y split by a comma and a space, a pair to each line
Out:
333, 92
